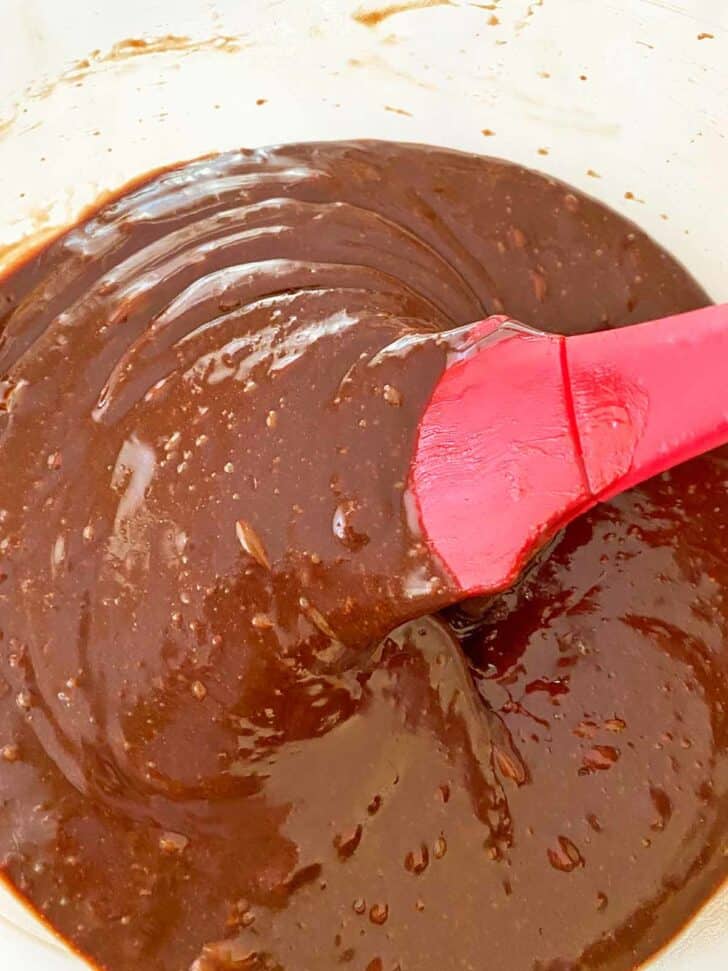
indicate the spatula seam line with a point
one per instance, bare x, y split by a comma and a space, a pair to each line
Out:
571, 415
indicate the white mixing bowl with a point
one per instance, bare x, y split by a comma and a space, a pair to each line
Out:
626, 99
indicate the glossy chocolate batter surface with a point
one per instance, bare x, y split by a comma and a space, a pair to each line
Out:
209, 757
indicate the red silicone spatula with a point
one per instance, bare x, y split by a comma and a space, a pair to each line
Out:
528, 430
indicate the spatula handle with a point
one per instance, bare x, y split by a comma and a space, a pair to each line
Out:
649, 397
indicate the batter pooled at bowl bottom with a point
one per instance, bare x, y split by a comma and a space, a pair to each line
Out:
208, 759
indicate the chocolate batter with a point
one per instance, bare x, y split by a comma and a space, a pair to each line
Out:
209, 759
